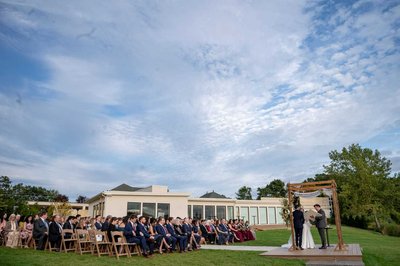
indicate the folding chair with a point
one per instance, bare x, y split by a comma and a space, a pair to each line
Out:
119, 244
49, 247
84, 244
68, 244
100, 242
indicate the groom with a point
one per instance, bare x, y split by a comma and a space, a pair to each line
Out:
320, 222
298, 221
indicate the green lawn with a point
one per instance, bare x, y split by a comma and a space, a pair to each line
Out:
377, 250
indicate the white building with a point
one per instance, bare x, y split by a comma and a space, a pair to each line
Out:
155, 201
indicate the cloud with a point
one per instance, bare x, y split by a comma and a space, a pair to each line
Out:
218, 95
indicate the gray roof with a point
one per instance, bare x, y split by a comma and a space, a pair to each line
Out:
213, 195
125, 187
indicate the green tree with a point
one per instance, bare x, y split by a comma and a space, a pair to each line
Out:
362, 176
275, 188
244, 193
285, 212
81, 199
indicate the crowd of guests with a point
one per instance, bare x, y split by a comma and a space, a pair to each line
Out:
164, 235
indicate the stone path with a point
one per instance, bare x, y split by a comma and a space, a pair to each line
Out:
239, 248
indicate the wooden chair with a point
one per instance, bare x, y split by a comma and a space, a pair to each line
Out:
101, 245
119, 244
51, 248
84, 244
68, 244
134, 249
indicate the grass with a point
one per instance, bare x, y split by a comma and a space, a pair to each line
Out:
377, 250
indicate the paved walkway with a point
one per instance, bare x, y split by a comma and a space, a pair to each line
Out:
239, 248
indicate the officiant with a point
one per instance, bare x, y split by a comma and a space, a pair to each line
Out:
320, 222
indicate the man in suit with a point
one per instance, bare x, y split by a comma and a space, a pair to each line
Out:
97, 224
141, 230
162, 230
181, 239
132, 237
298, 221
320, 222
41, 231
187, 231
106, 223
55, 231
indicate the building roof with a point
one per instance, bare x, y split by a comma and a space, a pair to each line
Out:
125, 187
213, 195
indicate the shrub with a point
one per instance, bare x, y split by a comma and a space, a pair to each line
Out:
392, 229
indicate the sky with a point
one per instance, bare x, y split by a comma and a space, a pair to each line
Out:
194, 95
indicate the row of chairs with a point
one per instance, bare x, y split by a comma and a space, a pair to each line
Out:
94, 242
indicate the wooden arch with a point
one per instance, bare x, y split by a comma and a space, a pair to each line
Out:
313, 186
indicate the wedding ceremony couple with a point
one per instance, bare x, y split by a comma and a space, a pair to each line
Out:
302, 222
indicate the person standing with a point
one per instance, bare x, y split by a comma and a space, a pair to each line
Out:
41, 230
320, 222
298, 221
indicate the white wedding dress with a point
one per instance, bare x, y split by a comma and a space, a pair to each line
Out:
307, 239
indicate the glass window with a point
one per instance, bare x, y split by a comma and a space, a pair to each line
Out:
237, 213
279, 219
197, 212
271, 215
149, 209
210, 212
189, 211
163, 210
230, 212
221, 212
244, 213
263, 215
253, 215
133, 208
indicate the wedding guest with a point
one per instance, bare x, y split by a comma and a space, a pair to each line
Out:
158, 238
204, 231
187, 231
41, 230
142, 231
104, 226
222, 233
98, 224
232, 224
182, 240
55, 231
112, 227
12, 233
178, 230
197, 234
27, 231
168, 238
132, 237
298, 221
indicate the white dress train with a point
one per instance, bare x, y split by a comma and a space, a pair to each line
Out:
307, 239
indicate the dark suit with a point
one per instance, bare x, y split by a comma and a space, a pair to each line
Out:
104, 226
320, 222
55, 234
142, 231
161, 230
98, 225
298, 222
40, 231
182, 239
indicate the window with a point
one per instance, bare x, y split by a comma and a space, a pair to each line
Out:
279, 219
253, 215
271, 215
221, 212
149, 209
230, 212
189, 211
263, 215
163, 210
210, 212
237, 213
197, 212
133, 208
244, 213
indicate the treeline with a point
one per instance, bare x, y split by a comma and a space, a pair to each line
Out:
369, 194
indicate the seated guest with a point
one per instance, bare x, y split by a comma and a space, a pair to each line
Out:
179, 231
27, 230
204, 231
213, 230
41, 230
141, 230
196, 233
167, 237
132, 237
11, 232
222, 233
104, 226
122, 223
92, 224
112, 227
182, 240
249, 233
81, 224
55, 231
238, 236
98, 224
158, 238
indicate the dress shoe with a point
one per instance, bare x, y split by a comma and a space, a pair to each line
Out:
323, 247
301, 248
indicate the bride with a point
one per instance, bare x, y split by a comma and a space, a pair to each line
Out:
307, 238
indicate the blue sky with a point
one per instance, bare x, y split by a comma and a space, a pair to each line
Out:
196, 95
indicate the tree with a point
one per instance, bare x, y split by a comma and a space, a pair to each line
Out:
285, 213
244, 193
362, 176
275, 188
81, 199
61, 198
